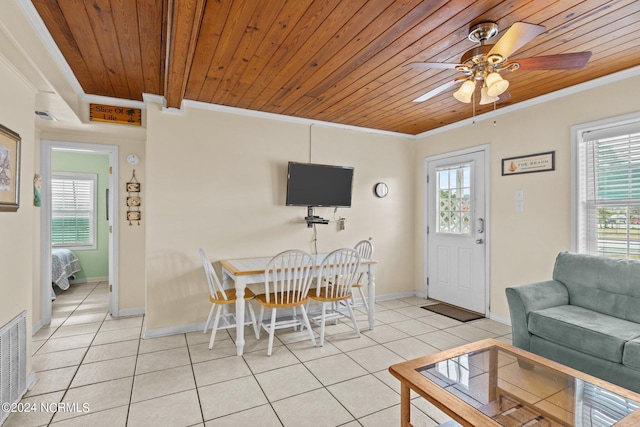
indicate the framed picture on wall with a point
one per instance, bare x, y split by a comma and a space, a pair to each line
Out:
9, 170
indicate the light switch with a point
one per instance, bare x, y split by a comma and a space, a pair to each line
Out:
519, 201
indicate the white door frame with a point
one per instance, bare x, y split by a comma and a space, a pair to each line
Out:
46, 147
486, 148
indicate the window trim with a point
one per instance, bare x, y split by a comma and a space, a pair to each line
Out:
576, 139
94, 208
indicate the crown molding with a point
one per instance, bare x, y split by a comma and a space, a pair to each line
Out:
38, 25
290, 119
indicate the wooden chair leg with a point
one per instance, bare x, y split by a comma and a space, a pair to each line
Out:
305, 318
364, 299
215, 326
295, 317
322, 321
206, 325
260, 320
306, 311
253, 320
334, 307
353, 319
272, 330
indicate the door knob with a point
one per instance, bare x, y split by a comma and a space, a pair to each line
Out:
479, 241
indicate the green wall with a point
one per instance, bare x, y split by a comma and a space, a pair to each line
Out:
94, 262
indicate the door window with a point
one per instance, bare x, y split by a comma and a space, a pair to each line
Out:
454, 199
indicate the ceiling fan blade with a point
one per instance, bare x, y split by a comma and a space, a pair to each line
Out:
504, 96
439, 89
444, 65
517, 36
565, 61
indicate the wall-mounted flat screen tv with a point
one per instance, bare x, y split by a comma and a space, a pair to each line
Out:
310, 184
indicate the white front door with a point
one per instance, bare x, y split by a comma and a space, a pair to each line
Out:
456, 233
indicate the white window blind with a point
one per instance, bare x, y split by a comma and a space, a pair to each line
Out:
73, 205
609, 188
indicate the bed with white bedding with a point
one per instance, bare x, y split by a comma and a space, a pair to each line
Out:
64, 264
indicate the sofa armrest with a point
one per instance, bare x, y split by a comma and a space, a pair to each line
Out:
527, 298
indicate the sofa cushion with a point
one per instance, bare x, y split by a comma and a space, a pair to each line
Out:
631, 356
605, 285
584, 330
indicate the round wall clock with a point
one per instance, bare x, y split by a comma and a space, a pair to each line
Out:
132, 159
381, 189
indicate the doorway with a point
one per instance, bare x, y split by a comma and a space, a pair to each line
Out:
47, 150
457, 228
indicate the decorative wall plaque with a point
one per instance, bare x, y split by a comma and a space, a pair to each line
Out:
133, 200
115, 114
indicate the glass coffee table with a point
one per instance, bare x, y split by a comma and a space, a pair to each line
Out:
491, 383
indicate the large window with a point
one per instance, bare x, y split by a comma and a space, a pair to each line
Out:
73, 206
608, 206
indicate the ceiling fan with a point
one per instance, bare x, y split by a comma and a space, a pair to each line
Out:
484, 63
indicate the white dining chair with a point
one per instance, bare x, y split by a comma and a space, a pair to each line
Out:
287, 279
336, 275
220, 300
365, 250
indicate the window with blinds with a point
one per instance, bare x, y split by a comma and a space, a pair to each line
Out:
73, 206
609, 191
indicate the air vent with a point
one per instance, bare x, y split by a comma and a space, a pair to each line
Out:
13, 362
45, 115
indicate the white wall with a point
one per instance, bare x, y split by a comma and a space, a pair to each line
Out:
17, 251
218, 181
524, 245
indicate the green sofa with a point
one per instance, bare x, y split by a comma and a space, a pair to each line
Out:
587, 317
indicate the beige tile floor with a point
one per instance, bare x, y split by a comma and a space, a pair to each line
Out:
101, 364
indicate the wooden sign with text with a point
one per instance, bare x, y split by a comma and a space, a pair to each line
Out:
114, 114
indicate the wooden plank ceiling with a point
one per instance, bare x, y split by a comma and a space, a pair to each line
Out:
332, 60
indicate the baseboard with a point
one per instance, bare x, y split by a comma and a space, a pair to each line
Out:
31, 380
88, 279
493, 316
36, 327
171, 330
193, 327
395, 296
500, 318
136, 311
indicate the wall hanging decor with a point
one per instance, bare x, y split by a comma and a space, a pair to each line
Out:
115, 114
37, 190
541, 162
133, 200
9, 170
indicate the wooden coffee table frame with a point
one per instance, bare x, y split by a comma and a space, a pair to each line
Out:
464, 413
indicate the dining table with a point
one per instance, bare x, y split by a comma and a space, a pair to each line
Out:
246, 271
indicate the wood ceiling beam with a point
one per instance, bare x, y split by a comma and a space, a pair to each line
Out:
183, 26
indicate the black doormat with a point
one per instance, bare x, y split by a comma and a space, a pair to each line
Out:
456, 313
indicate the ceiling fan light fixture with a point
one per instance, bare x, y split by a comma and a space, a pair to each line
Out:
485, 98
495, 58
496, 84
466, 90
